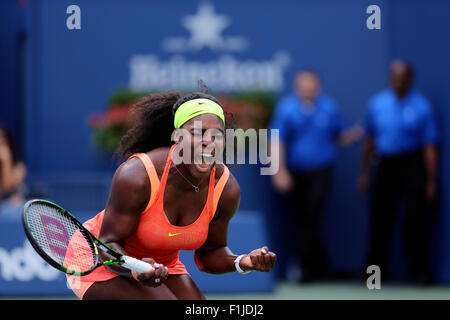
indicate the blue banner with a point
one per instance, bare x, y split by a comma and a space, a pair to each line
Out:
22, 270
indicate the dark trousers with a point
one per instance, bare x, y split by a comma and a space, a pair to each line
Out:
397, 179
307, 202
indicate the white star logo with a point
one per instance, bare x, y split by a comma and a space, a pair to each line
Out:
206, 28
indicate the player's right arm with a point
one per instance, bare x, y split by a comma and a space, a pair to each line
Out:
129, 195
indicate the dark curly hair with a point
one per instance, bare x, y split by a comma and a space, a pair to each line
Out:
153, 117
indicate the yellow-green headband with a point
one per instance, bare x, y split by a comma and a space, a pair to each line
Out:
196, 107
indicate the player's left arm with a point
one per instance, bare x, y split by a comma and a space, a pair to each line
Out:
214, 256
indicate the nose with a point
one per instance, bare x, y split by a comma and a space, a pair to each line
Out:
207, 138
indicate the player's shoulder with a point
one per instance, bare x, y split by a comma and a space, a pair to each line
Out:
133, 173
229, 199
158, 157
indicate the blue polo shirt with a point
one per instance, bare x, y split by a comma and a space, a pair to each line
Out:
309, 134
399, 126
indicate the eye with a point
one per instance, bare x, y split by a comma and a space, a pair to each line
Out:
197, 132
215, 134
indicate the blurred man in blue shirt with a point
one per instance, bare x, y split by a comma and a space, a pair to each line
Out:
309, 126
401, 130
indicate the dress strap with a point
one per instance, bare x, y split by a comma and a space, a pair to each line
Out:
167, 167
153, 176
219, 188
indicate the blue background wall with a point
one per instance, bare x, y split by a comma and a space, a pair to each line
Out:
71, 73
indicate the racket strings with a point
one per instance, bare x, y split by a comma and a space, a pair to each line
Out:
60, 238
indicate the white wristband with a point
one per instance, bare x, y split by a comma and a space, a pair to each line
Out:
236, 264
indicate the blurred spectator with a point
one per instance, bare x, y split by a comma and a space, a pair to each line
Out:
12, 177
310, 127
402, 132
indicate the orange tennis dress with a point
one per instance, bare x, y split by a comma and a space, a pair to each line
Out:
155, 237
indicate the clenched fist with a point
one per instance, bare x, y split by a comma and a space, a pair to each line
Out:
258, 260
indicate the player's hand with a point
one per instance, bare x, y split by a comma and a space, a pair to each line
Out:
259, 260
152, 278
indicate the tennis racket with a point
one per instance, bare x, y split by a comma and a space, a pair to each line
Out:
62, 241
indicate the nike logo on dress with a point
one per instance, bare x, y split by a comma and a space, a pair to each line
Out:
173, 234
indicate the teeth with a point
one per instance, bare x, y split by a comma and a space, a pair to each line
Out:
207, 155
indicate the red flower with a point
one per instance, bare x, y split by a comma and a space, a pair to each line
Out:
118, 114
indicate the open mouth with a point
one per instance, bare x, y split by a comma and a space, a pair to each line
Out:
204, 161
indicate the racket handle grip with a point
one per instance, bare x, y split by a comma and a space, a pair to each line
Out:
135, 264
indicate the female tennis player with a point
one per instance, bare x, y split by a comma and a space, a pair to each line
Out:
157, 207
